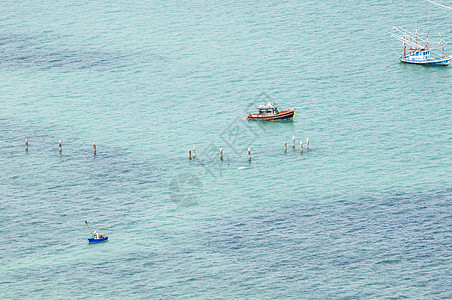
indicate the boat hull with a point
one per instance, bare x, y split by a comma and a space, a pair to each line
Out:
98, 240
433, 62
283, 115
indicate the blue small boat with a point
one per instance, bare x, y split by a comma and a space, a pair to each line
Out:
98, 240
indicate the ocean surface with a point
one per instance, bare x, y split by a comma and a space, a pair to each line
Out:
365, 213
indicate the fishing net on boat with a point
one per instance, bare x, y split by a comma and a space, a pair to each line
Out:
102, 235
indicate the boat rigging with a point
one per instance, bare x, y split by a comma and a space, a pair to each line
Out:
420, 50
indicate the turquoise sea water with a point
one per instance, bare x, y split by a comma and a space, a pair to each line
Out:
366, 213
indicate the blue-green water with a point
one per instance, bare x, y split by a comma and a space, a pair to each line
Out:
366, 213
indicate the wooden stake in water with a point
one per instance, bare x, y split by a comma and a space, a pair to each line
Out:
285, 146
293, 141
189, 154
194, 155
60, 146
221, 153
249, 155
94, 146
301, 146
307, 144
26, 145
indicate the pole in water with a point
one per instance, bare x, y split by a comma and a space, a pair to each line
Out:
94, 146
89, 228
60, 146
221, 153
194, 152
249, 155
26, 145
301, 146
285, 146
189, 154
293, 141
307, 144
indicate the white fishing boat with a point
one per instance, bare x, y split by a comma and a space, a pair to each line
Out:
419, 51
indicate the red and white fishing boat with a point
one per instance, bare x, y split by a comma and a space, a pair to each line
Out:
269, 112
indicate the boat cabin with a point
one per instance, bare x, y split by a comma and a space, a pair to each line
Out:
268, 109
419, 55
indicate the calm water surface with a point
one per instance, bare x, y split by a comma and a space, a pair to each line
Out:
366, 213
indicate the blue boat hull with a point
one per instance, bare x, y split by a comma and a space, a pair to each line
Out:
433, 62
97, 240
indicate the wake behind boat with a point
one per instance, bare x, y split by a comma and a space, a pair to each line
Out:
419, 51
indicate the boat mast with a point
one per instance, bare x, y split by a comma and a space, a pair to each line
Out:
405, 46
426, 45
407, 37
442, 45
